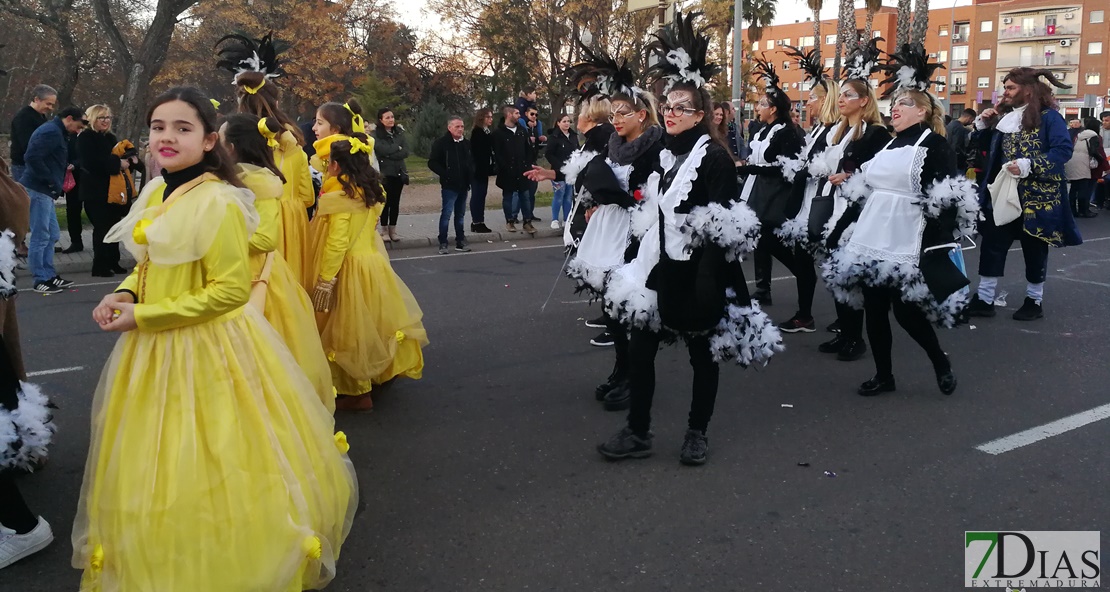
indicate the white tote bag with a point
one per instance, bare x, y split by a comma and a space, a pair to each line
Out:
1004, 198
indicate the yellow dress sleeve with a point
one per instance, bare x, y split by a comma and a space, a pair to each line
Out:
130, 283
268, 233
227, 281
302, 181
339, 241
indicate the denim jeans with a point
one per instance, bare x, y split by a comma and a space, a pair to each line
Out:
514, 201
454, 202
17, 171
44, 233
478, 192
564, 193
1079, 194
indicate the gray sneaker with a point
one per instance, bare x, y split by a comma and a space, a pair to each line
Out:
694, 448
443, 249
625, 444
462, 247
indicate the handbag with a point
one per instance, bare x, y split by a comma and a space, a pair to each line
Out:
1004, 198
690, 294
405, 178
944, 270
68, 183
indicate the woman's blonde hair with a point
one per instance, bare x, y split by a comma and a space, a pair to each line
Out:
829, 113
871, 115
647, 102
96, 111
934, 117
596, 109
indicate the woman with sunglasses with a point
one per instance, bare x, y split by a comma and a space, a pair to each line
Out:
896, 254
685, 281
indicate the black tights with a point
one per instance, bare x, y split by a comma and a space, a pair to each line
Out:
620, 347
851, 321
393, 187
14, 513
642, 347
797, 261
877, 303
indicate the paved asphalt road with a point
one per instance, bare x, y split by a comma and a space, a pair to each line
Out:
483, 475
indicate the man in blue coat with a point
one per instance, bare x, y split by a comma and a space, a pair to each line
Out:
47, 159
1032, 143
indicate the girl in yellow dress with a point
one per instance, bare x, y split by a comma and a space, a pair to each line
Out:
369, 322
256, 66
275, 290
212, 464
340, 119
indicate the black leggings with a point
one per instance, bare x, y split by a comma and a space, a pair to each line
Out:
877, 303
393, 187
642, 347
14, 513
104, 216
620, 347
851, 321
797, 261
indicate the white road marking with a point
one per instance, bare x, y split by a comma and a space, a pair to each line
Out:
438, 256
96, 284
55, 371
1045, 431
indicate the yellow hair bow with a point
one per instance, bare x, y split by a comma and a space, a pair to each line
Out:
271, 137
138, 233
215, 104
251, 91
358, 145
358, 126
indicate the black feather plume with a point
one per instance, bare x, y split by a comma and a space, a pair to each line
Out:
810, 62
909, 68
682, 53
241, 53
863, 61
600, 74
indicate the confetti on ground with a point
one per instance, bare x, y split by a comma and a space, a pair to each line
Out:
788, 405
830, 474
803, 464
973, 327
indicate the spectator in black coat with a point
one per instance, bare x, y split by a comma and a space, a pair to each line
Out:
559, 148
452, 161
959, 137
392, 149
26, 121
98, 166
73, 200
512, 148
481, 147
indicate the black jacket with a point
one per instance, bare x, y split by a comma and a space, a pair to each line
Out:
559, 148
481, 147
452, 162
512, 149
392, 149
25, 122
98, 164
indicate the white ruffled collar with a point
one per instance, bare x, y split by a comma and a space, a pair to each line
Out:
1011, 122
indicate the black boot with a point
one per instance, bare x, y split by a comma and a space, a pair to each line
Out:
833, 345
1029, 311
619, 397
851, 350
876, 386
978, 308
605, 387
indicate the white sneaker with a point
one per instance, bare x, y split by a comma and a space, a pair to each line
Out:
555, 225
14, 547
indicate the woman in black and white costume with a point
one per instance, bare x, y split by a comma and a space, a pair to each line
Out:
915, 203
771, 169
855, 139
685, 281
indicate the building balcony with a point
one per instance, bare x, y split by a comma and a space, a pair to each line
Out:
1016, 33
1067, 62
957, 89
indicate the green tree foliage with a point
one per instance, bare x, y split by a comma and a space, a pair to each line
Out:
429, 124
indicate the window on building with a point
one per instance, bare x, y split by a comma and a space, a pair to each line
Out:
984, 82
984, 54
829, 62
1094, 78
755, 46
876, 34
986, 26
942, 80
770, 44
806, 41
786, 65
959, 53
786, 41
942, 55
831, 39
943, 31
1097, 16
1094, 47
962, 30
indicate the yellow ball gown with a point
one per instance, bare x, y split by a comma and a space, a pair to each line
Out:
297, 196
282, 300
374, 333
212, 465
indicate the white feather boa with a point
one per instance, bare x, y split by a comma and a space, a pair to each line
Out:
746, 335
793, 232
576, 163
26, 432
957, 193
734, 228
7, 263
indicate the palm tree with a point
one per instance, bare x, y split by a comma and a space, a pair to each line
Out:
759, 14
920, 21
873, 6
816, 6
902, 34
846, 37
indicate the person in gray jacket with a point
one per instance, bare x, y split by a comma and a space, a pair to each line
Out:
391, 148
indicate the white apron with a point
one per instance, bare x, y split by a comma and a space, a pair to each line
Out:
606, 237
892, 221
758, 157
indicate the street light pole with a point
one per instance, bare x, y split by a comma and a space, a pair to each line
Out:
737, 61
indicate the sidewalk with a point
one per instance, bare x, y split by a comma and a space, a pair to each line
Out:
417, 231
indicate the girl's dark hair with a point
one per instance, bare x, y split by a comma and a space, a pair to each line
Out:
1092, 124
381, 113
355, 173
264, 101
216, 160
339, 117
480, 116
781, 103
251, 146
703, 102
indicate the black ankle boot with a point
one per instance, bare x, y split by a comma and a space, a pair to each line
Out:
876, 386
946, 379
610, 382
851, 350
832, 346
619, 397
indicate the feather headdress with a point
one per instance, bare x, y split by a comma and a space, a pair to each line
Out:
810, 62
683, 53
600, 74
241, 54
863, 61
766, 71
909, 69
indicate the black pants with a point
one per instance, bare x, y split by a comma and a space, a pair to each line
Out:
642, 348
620, 346
1079, 194
73, 218
393, 187
797, 261
14, 513
103, 216
877, 303
996, 242
850, 321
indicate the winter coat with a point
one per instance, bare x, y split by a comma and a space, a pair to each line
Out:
511, 148
481, 148
452, 162
392, 149
25, 122
1078, 166
98, 165
559, 148
47, 159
